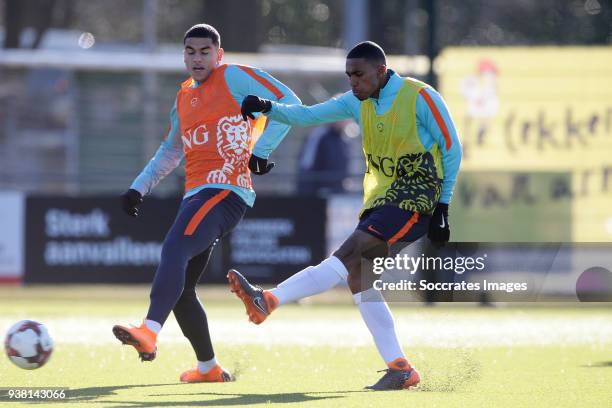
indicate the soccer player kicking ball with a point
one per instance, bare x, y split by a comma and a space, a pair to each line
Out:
206, 127
412, 158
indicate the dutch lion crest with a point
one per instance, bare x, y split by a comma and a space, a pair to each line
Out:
233, 143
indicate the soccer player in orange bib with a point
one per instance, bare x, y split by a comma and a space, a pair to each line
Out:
207, 129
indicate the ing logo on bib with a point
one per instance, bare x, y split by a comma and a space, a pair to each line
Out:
195, 137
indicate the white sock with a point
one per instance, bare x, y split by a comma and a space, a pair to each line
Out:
312, 280
378, 318
206, 366
153, 326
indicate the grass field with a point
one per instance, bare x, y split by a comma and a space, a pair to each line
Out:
318, 354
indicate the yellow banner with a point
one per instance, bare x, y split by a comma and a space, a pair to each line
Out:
538, 110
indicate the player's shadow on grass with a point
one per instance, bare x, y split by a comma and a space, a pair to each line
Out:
233, 399
91, 393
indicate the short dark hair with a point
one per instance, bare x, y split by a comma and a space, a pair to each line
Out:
203, 31
370, 51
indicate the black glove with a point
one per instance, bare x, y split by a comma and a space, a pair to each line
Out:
439, 230
259, 166
130, 200
252, 104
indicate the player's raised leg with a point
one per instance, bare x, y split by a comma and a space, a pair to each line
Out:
377, 230
260, 303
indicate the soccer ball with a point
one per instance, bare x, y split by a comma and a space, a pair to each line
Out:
28, 344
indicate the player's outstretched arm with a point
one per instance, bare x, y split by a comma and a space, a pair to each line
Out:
333, 110
243, 81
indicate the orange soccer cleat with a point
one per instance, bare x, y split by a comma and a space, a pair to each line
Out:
142, 338
259, 303
399, 376
215, 374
